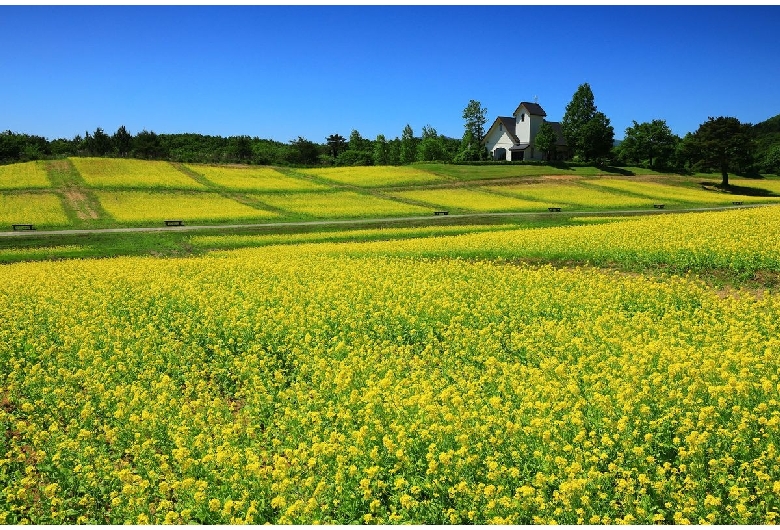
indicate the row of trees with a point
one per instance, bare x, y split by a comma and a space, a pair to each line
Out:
720, 144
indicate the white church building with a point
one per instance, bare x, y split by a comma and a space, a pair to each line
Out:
512, 137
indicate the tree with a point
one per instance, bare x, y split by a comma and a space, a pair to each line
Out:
381, 151
649, 143
579, 112
146, 144
304, 152
771, 162
101, 143
336, 143
598, 137
123, 141
546, 140
430, 148
475, 116
723, 144
359, 151
408, 145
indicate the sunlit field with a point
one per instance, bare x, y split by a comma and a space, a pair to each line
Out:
557, 194
463, 199
40, 209
675, 194
397, 382
135, 206
375, 176
233, 240
740, 241
23, 175
771, 185
338, 204
131, 173
253, 178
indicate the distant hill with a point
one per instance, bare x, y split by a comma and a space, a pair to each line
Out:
767, 135
772, 125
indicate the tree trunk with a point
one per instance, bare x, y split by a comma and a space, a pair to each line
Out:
724, 171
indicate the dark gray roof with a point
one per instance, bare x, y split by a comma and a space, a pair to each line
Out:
519, 147
509, 126
533, 108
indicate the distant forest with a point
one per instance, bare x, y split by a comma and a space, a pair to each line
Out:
759, 149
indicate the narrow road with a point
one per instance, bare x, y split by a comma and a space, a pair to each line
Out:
341, 222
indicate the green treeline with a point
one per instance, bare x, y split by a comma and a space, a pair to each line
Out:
722, 145
199, 148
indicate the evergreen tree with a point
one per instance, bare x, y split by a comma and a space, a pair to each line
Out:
475, 116
381, 151
408, 145
579, 112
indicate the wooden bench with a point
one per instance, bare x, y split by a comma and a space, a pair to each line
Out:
659, 206
554, 209
441, 212
737, 203
174, 222
23, 227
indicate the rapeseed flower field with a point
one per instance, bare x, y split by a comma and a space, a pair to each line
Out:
253, 178
391, 382
23, 175
42, 209
132, 173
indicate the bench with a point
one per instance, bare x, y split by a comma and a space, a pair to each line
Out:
659, 206
554, 209
737, 203
175, 222
23, 227
441, 212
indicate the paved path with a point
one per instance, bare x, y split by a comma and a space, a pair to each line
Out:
337, 222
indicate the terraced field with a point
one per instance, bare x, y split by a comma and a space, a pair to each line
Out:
108, 193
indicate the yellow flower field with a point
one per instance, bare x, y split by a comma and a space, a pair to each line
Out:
338, 204
675, 194
557, 194
375, 176
253, 178
131, 173
741, 241
300, 385
342, 235
135, 206
40, 209
470, 200
23, 175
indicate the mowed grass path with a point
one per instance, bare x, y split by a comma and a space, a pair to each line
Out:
128, 192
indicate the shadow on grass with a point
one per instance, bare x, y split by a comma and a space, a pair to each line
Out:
747, 191
619, 171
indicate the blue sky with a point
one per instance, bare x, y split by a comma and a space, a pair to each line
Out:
280, 72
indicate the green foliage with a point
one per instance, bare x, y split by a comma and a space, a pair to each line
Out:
304, 152
546, 140
475, 116
408, 145
649, 144
587, 131
122, 141
336, 143
381, 153
722, 144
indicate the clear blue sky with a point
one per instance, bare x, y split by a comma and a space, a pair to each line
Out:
288, 71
